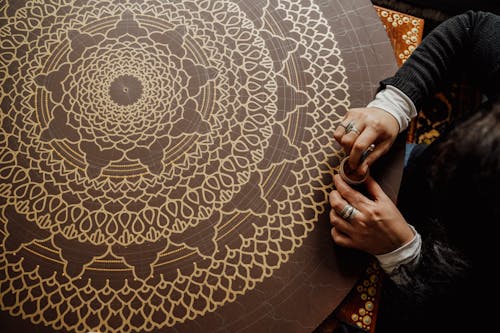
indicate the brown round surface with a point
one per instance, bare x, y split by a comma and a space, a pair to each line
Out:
165, 165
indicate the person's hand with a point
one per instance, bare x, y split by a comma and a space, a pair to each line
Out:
371, 126
374, 226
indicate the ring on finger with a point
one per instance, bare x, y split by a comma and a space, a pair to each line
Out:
351, 127
348, 212
367, 152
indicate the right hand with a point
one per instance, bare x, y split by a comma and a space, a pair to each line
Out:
377, 227
375, 126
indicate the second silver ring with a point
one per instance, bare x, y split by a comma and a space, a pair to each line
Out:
367, 152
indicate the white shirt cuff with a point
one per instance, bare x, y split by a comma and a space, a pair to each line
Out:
397, 103
402, 255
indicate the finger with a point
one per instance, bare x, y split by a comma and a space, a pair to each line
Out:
351, 126
341, 126
380, 149
355, 198
340, 238
340, 130
338, 222
349, 139
337, 203
370, 159
374, 189
363, 141
332, 217
355, 127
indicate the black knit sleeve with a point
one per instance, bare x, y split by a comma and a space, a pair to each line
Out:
439, 265
417, 293
468, 42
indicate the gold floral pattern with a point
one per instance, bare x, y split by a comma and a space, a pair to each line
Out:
158, 159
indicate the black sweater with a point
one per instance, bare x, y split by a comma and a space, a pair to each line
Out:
449, 191
469, 42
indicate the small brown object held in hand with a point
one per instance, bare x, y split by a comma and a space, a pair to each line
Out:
351, 176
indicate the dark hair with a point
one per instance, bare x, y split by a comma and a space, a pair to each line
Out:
468, 159
464, 175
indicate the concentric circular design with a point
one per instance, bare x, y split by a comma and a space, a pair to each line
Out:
158, 158
125, 90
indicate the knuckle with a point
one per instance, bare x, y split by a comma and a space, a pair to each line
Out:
332, 215
378, 125
358, 146
373, 213
346, 141
334, 197
337, 206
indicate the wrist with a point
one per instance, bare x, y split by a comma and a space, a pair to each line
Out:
397, 104
408, 252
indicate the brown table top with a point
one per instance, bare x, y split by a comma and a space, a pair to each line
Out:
165, 165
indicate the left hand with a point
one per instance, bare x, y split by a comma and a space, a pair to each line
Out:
377, 226
372, 126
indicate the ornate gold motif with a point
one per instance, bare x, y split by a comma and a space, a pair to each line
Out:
158, 159
367, 290
404, 30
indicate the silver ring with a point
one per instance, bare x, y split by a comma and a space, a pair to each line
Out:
348, 212
351, 127
367, 152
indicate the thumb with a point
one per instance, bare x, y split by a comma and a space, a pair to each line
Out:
374, 189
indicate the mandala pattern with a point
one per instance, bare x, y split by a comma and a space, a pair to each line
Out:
158, 158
